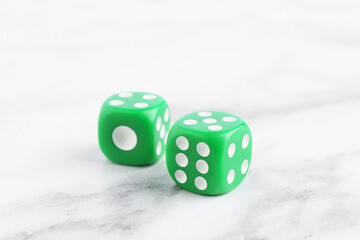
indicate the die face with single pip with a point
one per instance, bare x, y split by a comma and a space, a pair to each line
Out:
132, 128
209, 152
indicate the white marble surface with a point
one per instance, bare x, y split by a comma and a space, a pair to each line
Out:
291, 69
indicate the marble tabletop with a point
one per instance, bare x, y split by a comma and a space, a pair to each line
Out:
290, 69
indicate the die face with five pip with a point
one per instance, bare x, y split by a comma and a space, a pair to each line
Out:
209, 152
132, 128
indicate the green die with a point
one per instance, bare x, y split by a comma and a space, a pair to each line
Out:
209, 152
133, 127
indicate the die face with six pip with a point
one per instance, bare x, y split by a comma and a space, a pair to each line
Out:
209, 152
132, 128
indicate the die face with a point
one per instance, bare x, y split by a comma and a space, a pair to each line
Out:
132, 128
191, 159
210, 122
200, 159
236, 158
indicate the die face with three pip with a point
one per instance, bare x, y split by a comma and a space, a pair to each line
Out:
132, 128
209, 152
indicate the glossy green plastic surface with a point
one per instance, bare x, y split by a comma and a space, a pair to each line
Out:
209, 152
132, 128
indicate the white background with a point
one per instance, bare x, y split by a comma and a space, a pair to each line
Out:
290, 69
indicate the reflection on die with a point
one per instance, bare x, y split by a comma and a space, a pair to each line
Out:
133, 127
209, 152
